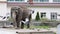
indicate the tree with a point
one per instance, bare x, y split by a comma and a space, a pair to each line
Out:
37, 17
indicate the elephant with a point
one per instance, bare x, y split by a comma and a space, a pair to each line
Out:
19, 14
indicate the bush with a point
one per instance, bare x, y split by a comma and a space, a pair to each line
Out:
10, 19
44, 19
37, 17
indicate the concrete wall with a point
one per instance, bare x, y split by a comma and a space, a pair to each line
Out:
50, 0
3, 0
5, 24
9, 10
3, 9
58, 29
41, 32
48, 10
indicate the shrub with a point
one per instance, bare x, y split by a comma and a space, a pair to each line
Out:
10, 19
43, 19
37, 17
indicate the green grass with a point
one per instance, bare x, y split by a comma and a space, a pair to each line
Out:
38, 27
43, 27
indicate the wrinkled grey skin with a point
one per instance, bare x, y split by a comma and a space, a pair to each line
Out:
18, 14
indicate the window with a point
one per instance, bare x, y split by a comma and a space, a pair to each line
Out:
10, 0
56, 0
15, 0
35, 0
43, 15
54, 16
19, 0
40, 0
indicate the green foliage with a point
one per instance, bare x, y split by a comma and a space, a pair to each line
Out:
54, 32
40, 27
37, 17
10, 19
44, 19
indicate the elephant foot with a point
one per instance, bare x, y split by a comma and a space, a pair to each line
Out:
17, 27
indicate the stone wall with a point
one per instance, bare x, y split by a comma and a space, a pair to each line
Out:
5, 24
47, 32
39, 23
35, 23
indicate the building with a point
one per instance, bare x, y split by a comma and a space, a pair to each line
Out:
47, 8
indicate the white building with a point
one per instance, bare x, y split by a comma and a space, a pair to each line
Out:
46, 8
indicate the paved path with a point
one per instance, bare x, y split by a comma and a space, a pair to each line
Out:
13, 31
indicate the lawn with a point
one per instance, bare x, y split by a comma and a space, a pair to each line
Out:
40, 27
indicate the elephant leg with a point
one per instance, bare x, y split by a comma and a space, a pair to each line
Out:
14, 24
18, 24
28, 25
18, 19
22, 25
